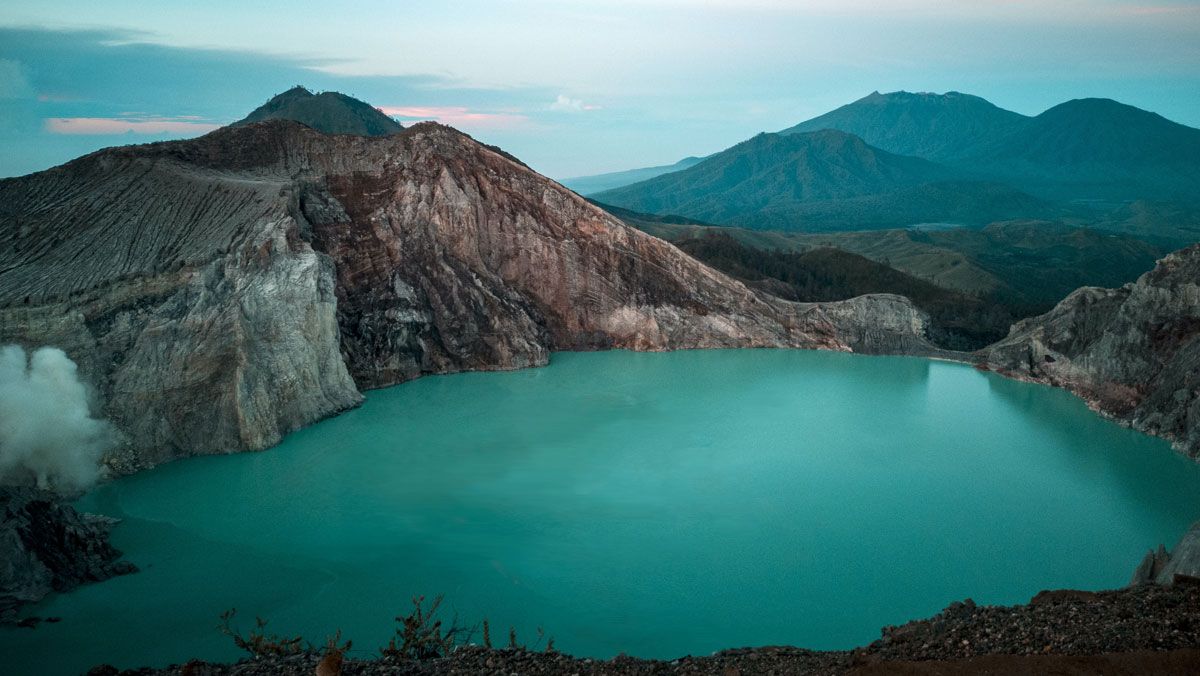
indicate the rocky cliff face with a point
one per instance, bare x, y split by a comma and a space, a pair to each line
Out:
1132, 353
186, 295
48, 546
1181, 564
223, 291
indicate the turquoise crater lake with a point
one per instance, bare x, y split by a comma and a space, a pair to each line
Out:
655, 504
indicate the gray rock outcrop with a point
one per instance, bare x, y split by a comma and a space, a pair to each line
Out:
220, 292
1132, 353
47, 546
1165, 568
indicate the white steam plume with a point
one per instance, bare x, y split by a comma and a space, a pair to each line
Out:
47, 435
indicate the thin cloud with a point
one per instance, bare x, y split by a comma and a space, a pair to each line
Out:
54, 97
112, 126
567, 104
456, 116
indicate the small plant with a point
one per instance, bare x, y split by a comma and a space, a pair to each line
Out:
514, 644
334, 643
420, 635
258, 643
549, 641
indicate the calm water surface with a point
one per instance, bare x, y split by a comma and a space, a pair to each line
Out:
656, 504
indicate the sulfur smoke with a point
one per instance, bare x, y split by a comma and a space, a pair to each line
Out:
47, 434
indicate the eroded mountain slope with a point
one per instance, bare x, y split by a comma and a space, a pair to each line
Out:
220, 292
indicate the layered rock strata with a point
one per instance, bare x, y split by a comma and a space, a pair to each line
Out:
220, 292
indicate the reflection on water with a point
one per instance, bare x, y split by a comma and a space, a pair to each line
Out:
656, 504
1104, 454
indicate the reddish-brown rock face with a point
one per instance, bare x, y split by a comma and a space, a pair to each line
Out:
223, 291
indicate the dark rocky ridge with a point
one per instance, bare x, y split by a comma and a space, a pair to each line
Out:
47, 546
223, 291
957, 321
1132, 353
330, 112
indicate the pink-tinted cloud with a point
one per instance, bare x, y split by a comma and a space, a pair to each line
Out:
457, 116
107, 126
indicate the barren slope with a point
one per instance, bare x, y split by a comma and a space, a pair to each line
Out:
223, 291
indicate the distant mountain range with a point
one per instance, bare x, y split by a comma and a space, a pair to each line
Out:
587, 185
824, 180
1096, 149
933, 126
774, 169
330, 112
890, 160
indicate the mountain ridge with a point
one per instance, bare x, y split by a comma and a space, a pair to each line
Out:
821, 180
1085, 156
927, 125
852, 168
328, 112
1098, 149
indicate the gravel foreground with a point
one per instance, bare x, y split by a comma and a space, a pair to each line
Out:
1147, 629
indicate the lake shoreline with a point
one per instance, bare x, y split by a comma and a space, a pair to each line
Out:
613, 437
1147, 629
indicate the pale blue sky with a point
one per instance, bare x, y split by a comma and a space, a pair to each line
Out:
574, 86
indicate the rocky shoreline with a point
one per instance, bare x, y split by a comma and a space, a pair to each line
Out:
47, 546
1153, 625
1135, 630
1133, 353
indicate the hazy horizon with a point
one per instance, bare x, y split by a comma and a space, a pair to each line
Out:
576, 89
